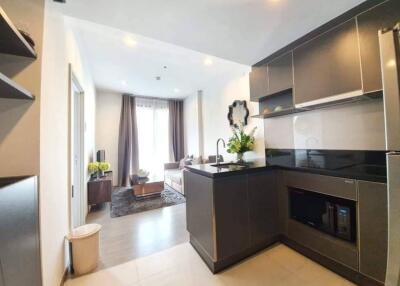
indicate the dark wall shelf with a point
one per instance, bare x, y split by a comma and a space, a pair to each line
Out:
11, 40
290, 110
282, 112
10, 89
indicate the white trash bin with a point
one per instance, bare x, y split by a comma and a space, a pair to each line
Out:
85, 248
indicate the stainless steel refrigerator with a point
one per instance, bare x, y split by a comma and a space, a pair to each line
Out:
389, 42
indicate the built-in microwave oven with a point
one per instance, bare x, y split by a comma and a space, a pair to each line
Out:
332, 215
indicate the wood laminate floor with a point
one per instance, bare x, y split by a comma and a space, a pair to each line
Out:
129, 237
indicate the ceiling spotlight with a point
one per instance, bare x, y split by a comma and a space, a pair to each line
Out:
177, 90
208, 62
158, 77
129, 41
165, 67
123, 82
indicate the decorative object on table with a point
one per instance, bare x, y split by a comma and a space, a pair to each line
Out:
93, 168
241, 142
142, 174
97, 168
238, 113
266, 110
103, 166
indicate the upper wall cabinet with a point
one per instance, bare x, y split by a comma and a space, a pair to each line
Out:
369, 23
328, 66
280, 74
258, 82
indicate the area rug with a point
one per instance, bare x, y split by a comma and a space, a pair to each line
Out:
123, 202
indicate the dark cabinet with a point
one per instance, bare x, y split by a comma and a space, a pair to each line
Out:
263, 208
200, 211
280, 74
19, 235
99, 190
231, 215
258, 82
328, 65
373, 224
383, 16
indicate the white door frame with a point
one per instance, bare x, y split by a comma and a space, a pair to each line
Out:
75, 85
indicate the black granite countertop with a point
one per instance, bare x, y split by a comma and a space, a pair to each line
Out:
344, 164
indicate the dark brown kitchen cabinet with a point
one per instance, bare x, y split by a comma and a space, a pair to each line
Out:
231, 215
373, 224
327, 65
200, 211
263, 208
280, 74
383, 16
258, 82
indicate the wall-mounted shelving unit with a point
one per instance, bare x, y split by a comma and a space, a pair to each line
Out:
283, 100
10, 89
11, 41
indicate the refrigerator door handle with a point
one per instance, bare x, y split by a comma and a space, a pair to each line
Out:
393, 193
389, 51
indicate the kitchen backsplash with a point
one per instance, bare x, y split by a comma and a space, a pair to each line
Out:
356, 126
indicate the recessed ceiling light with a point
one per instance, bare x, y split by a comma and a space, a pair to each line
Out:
391, 63
208, 62
158, 77
177, 90
123, 82
129, 41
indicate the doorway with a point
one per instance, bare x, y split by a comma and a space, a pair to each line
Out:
76, 101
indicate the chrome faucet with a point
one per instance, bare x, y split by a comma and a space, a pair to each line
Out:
217, 159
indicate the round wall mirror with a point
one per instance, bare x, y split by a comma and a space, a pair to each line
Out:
238, 113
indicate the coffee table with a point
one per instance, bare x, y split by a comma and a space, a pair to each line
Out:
147, 187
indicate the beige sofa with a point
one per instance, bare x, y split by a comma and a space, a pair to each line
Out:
173, 177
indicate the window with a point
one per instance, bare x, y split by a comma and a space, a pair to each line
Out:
153, 129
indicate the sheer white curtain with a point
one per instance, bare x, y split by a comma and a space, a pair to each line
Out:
153, 130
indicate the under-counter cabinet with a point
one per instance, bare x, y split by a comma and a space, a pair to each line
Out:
373, 226
258, 82
230, 218
386, 15
263, 208
328, 65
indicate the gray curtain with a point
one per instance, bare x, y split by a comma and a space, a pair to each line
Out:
128, 153
176, 129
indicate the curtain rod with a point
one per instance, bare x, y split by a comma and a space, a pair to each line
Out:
153, 97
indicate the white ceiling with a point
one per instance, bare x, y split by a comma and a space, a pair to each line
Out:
244, 31
118, 67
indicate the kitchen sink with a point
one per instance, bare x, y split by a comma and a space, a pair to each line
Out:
229, 165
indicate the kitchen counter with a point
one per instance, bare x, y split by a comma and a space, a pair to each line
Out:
359, 165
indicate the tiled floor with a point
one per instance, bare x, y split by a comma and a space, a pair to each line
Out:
181, 266
125, 238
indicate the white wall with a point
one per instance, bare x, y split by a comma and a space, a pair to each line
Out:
60, 48
215, 100
356, 126
192, 125
108, 111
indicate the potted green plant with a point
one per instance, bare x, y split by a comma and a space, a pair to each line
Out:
93, 168
241, 142
103, 166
